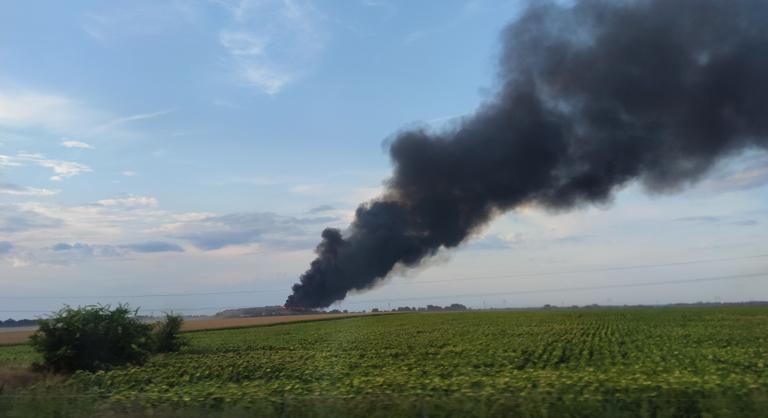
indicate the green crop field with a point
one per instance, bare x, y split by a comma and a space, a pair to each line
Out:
581, 362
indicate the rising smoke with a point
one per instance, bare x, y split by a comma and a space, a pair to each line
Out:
592, 96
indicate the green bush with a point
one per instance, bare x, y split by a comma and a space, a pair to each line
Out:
167, 338
92, 338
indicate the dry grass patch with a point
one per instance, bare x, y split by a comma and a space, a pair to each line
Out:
15, 337
204, 324
18, 378
22, 337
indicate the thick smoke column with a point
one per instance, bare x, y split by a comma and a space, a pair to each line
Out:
592, 96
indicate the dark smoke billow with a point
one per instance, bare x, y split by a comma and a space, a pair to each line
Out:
592, 96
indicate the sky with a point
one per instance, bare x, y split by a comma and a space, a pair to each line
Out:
185, 155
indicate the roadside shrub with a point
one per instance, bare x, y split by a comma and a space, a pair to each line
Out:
167, 338
92, 338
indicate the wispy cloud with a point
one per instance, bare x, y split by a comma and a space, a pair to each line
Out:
14, 219
225, 103
51, 112
238, 8
308, 189
61, 169
42, 232
124, 218
144, 19
722, 220
321, 209
272, 43
153, 247
375, 3
748, 172
132, 118
58, 114
745, 222
447, 122
64, 254
28, 107
270, 229
76, 144
85, 249
16, 190
8, 161
128, 202
699, 219
113, 250
93, 32
242, 43
133, 226
494, 242
270, 80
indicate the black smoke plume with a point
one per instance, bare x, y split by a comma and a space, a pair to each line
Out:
592, 96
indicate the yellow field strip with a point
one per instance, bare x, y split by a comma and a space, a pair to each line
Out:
20, 337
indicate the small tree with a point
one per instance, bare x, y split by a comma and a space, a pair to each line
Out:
92, 338
167, 338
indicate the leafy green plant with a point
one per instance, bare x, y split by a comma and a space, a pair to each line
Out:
92, 338
572, 363
167, 338
577, 363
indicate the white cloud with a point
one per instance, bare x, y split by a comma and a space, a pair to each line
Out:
23, 218
179, 222
15, 190
748, 172
63, 253
225, 103
129, 173
8, 161
248, 229
132, 118
270, 80
61, 169
27, 107
308, 189
491, 241
375, 3
272, 43
76, 144
93, 32
129, 201
62, 115
51, 112
119, 226
146, 19
132, 226
242, 43
364, 194
238, 8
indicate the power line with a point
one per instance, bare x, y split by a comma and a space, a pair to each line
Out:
455, 279
591, 270
472, 295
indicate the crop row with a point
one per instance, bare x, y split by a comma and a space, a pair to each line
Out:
578, 357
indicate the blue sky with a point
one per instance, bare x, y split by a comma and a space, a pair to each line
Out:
193, 146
